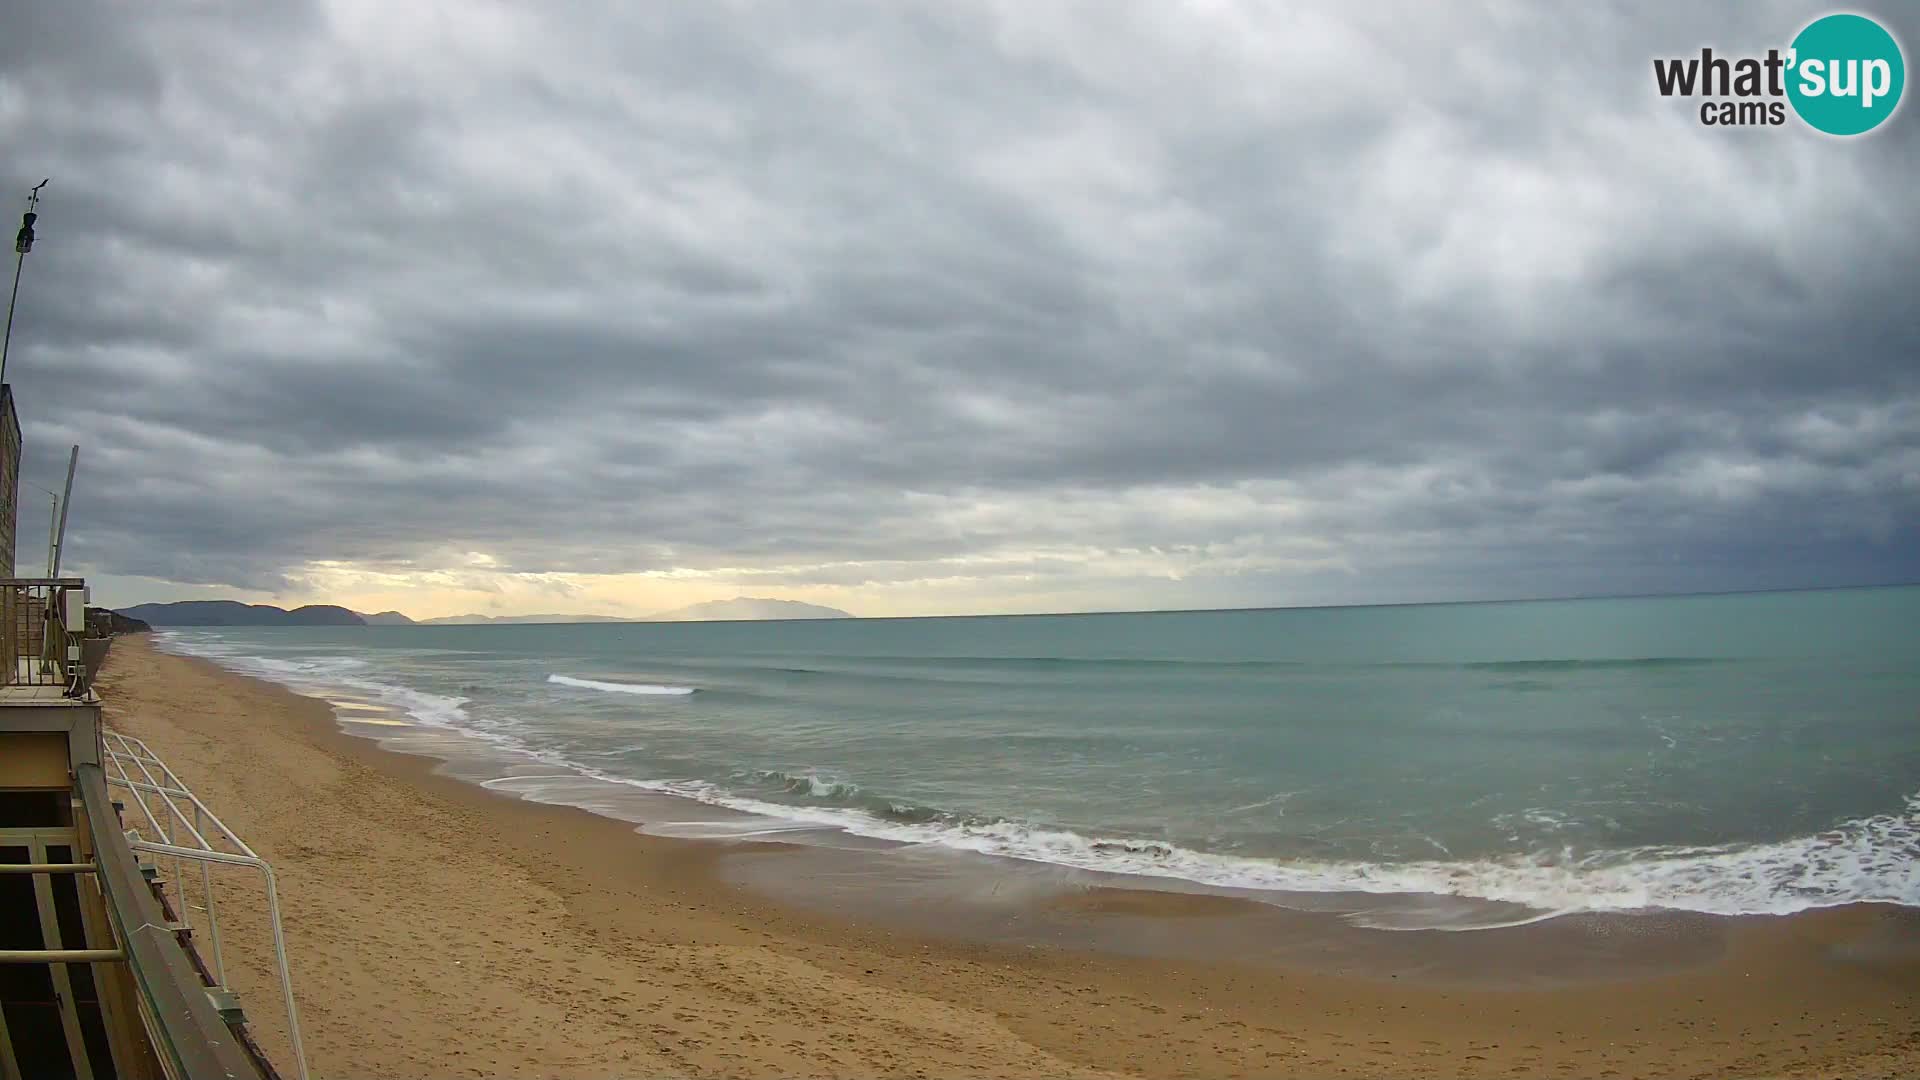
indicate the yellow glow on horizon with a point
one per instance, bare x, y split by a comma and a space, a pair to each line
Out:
477, 589
1011, 580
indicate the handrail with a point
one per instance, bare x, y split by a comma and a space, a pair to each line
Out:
60, 956
185, 1029
120, 750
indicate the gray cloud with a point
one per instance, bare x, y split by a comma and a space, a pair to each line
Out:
1080, 304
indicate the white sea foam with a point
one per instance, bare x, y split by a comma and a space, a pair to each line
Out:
323, 675
619, 687
1871, 859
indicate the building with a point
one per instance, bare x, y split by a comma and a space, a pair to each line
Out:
100, 978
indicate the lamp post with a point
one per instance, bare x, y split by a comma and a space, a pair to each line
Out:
22, 243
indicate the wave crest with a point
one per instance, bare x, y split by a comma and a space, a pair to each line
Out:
619, 687
1869, 860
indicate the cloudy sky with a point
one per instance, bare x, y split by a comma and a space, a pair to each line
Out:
953, 307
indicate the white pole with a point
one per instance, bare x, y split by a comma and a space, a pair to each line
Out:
66, 501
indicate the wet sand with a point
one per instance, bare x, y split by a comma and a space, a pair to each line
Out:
438, 928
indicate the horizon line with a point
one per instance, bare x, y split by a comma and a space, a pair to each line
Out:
1071, 614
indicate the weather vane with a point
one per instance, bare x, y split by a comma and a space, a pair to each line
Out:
22, 243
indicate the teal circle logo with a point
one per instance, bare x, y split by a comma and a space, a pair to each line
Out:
1846, 74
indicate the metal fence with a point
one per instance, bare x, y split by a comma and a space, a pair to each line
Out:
173, 823
42, 623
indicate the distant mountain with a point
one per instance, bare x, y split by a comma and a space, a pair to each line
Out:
748, 607
233, 613
492, 620
116, 623
740, 608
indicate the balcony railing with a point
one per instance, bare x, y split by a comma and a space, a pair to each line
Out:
42, 625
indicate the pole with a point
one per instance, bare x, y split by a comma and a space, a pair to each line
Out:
53, 518
23, 243
66, 502
19, 261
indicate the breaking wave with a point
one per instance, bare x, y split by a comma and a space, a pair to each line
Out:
619, 687
1874, 859
319, 675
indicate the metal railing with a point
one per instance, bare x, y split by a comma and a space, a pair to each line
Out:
183, 1026
38, 646
185, 830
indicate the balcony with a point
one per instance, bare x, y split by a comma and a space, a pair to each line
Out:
44, 642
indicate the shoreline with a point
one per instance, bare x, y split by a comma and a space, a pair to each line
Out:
665, 955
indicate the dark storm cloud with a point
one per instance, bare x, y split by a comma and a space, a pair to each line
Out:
1093, 304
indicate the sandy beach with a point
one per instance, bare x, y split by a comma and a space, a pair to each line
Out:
438, 928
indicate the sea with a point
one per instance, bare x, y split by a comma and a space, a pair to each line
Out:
1750, 754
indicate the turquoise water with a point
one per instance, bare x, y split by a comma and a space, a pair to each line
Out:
1733, 754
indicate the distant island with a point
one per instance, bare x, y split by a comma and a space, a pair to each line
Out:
747, 607
739, 608
495, 620
233, 613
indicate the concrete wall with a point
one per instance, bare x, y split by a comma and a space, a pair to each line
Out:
34, 759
